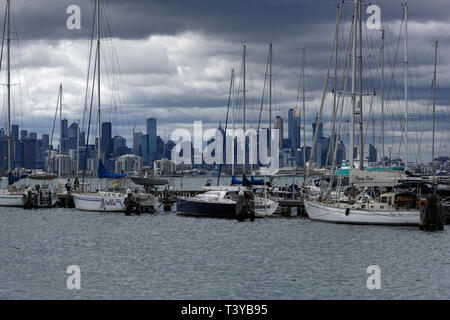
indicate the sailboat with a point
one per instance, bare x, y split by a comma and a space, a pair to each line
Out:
106, 201
223, 201
10, 197
42, 196
101, 200
263, 206
362, 205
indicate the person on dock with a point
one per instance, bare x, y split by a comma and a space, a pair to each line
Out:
76, 183
68, 186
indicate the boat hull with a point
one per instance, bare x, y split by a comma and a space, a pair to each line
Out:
95, 202
319, 212
152, 181
191, 207
265, 207
11, 200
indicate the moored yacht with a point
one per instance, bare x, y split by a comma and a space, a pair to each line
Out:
388, 209
100, 201
219, 202
10, 198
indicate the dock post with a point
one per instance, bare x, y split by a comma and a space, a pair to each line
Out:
430, 215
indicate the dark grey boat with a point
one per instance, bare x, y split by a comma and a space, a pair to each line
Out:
148, 181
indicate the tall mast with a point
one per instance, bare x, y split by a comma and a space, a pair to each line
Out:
233, 116
98, 83
434, 112
352, 137
361, 141
270, 88
60, 131
382, 96
406, 85
322, 102
243, 121
333, 129
8, 41
78, 146
304, 110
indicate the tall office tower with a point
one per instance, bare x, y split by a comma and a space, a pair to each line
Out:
152, 138
294, 129
341, 153
372, 153
314, 125
279, 126
119, 142
32, 135
14, 132
144, 148
72, 133
137, 143
82, 139
106, 140
28, 150
23, 134
45, 141
64, 144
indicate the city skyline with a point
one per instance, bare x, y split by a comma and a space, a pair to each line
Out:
180, 73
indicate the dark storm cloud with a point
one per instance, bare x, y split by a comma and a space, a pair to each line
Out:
175, 55
255, 20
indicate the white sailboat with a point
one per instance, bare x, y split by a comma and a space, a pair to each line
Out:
9, 197
386, 209
101, 200
362, 212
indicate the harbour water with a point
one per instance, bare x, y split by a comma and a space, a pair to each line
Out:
165, 256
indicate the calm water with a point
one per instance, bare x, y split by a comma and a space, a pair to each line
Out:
165, 256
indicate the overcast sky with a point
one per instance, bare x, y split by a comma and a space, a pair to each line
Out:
171, 60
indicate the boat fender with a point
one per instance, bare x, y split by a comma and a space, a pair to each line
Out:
347, 211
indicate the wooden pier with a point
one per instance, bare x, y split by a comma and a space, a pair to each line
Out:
285, 207
169, 198
65, 200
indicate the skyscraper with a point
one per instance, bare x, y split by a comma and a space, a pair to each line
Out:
64, 137
144, 148
45, 141
314, 125
14, 132
72, 133
106, 139
119, 142
372, 153
294, 129
28, 150
82, 138
32, 135
279, 126
23, 134
137, 143
152, 138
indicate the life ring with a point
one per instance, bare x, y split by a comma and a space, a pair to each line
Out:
422, 202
